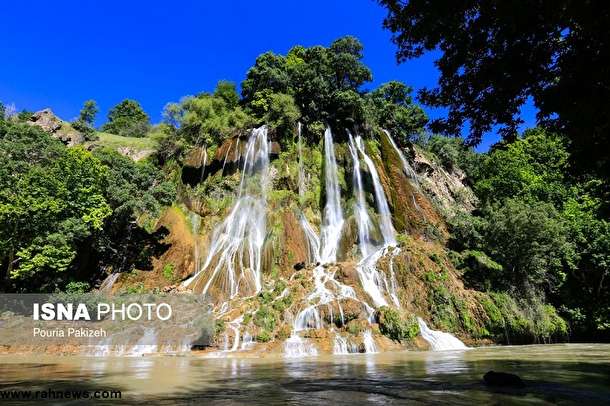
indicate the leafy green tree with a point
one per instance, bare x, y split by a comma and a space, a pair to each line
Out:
226, 90
534, 168
88, 112
206, 119
324, 82
393, 109
127, 119
51, 198
86, 118
531, 241
65, 211
496, 55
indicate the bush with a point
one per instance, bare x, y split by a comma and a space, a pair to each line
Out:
392, 325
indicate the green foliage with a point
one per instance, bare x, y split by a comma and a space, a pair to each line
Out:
277, 110
206, 119
77, 287
57, 202
392, 325
532, 168
265, 318
219, 327
264, 336
168, 272
88, 112
518, 321
127, 119
226, 91
494, 58
136, 289
393, 109
86, 118
453, 153
325, 86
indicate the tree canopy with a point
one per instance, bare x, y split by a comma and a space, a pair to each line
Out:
496, 55
127, 119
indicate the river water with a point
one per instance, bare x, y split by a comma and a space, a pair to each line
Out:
554, 374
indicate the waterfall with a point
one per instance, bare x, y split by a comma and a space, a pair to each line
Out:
313, 241
343, 346
374, 282
296, 347
369, 343
362, 216
385, 217
439, 340
326, 288
108, 283
204, 152
301, 168
145, 345
407, 169
333, 215
236, 247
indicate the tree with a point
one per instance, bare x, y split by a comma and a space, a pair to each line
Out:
127, 119
393, 109
206, 119
226, 90
88, 112
496, 55
85, 120
531, 241
535, 168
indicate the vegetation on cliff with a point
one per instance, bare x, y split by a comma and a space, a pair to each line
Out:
517, 250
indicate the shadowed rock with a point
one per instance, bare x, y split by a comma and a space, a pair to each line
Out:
503, 379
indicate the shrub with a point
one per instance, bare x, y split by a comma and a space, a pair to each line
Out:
392, 325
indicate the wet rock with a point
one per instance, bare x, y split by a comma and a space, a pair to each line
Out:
503, 379
298, 266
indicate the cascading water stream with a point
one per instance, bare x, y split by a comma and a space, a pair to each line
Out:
327, 290
407, 169
439, 340
313, 241
362, 216
333, 214
385, 217
236, 247
374, 282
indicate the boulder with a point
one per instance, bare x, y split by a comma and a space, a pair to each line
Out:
62, 130
503, 379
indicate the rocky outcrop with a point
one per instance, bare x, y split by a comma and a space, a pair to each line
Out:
62, 130
447, 189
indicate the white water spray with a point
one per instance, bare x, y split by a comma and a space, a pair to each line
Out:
439, 340
333, 215
236, 248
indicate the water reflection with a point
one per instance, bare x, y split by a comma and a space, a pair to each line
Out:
555, 374
446, 362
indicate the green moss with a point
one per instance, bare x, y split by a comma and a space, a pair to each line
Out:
168, 272
522, 322
265, 318
219, 327
393, 326
264, 336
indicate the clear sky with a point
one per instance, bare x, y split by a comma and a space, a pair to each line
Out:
59, 53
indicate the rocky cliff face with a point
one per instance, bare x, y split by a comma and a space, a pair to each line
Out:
62, 130
356, 301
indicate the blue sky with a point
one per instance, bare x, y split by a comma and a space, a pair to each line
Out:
59, 53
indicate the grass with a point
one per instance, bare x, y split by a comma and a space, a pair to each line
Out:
116, 141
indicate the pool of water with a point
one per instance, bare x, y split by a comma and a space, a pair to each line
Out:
554, 374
